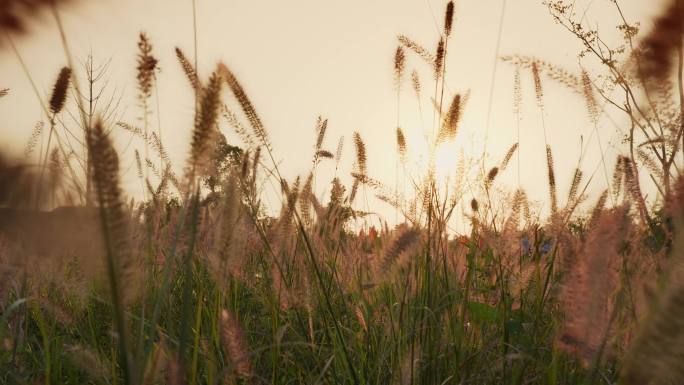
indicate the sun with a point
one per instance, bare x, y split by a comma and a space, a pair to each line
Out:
446, 158
424, 155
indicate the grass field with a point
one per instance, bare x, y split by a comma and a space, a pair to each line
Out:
197, 283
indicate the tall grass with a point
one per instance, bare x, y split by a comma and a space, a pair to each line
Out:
196, 284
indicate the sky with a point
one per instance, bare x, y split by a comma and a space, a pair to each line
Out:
303, 58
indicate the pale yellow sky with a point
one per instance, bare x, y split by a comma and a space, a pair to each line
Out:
301, 58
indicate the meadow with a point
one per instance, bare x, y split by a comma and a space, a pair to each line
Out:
195, 281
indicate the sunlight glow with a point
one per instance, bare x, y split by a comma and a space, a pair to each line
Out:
446, 160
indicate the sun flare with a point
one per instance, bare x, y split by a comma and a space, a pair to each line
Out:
425, 155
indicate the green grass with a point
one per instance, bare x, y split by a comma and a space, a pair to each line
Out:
440, 322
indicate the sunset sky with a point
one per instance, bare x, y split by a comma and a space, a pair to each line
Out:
304, 58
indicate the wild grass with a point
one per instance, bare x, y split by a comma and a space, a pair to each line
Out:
198, 284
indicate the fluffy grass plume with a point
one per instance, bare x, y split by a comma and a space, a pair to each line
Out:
188, 69
361, 156
451, 120
235, 344
656, 356
415, 83
15, 15
589, 98
403, 241
399, 66
474, 205
338, 151
115, 229
105, 163
205, 125
517, 93
438, 64
138, 164
659, 47
321, 128
541, 67
147, 64
538, 89
59, 90
591, 277
491, 175
551, 180
401, 144
418, 49
509, 155
448, 18
33, 140
246, 105
574, 185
